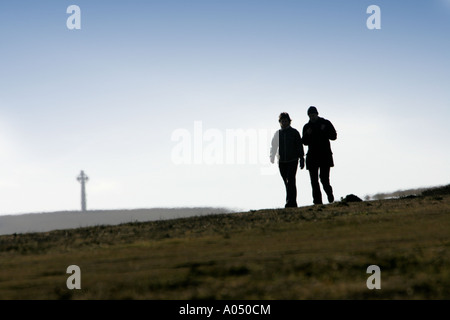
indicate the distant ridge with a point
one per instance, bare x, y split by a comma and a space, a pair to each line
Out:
48, 221
426, 191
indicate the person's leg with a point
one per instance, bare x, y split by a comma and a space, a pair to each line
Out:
284, 176
325, 180
314, 175
291, 199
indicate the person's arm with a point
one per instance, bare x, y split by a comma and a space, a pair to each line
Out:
301, 151
274, 146
299, 143
306, 135
332, 134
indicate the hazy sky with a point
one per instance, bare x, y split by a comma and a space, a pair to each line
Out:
173, 103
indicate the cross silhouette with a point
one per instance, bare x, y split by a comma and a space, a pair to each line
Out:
83, 178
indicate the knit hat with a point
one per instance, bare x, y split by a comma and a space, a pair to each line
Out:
312, 109
284, 115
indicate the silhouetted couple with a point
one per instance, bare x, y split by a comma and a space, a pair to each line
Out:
287, 144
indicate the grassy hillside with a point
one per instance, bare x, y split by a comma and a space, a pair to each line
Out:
48, 221
315, 252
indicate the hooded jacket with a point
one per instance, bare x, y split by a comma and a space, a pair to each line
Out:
288, 143
317, 136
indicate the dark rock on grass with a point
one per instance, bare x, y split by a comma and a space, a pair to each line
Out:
351, 198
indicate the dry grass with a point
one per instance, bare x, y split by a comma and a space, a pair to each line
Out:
317, 252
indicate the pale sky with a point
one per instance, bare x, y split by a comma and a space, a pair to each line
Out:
147, 96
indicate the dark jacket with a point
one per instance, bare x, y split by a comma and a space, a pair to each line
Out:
288, 143
318, 142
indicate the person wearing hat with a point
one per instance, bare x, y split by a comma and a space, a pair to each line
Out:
287, 144
317, 134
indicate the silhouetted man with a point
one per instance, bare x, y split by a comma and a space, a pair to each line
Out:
287, 143
317, 134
